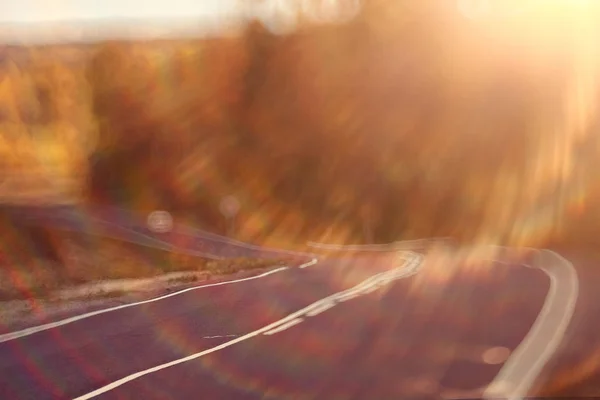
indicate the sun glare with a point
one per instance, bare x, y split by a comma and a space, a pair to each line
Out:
554, 46
545, 21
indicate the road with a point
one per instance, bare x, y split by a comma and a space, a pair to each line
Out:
131, 227
361, 327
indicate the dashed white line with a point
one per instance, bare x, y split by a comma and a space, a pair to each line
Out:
356, 291
310, 263
320, 309
372, 289
218, 336
413, 266
285, 326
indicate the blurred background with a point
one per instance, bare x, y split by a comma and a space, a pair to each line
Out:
341, 121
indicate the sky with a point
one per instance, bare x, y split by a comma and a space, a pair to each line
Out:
32, 11
52, 21
39, 21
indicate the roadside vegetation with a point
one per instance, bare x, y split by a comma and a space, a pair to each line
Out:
23, 275
316, 136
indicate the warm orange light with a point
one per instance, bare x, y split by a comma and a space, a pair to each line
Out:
540, 22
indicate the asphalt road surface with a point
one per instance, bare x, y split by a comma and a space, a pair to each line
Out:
132, 227
352, 328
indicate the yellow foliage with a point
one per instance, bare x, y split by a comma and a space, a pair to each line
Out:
47, 129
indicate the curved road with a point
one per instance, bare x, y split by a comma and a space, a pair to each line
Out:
360, 327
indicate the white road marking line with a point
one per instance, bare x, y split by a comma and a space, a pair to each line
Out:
413, 265
219, 336
35, 329
373, 289
377, 283
525, 364
350, 296
356, 290
321, 309
285, 326
30, 331
308, 264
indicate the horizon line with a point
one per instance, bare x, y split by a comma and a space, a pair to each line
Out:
90, 30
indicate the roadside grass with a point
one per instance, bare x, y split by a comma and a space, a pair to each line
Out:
230, 266
91, 259
181, 280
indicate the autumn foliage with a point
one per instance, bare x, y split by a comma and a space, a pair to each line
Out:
399, 124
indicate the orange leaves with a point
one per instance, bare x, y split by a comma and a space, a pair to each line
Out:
412, 119
46, 127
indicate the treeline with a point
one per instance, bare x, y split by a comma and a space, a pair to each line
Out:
402, 123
